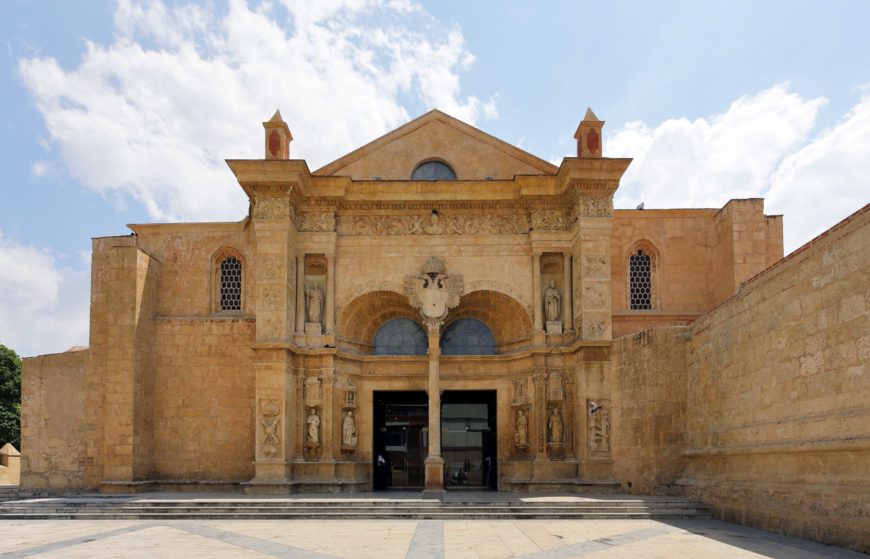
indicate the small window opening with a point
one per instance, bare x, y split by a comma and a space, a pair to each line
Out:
433, 171
231, 284
640, 281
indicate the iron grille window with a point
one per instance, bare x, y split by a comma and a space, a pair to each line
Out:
401, 336
467, 336
640, 281
231, 284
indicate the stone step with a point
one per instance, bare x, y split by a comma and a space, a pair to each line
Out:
313, 515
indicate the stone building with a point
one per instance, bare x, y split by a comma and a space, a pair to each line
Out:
440, 309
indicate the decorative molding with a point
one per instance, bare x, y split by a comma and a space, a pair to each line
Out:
319, 222
433, 224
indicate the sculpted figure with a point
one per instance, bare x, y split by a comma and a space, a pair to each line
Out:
552, 302
348, 430
555, 425
314, 302
522, 434
313, 422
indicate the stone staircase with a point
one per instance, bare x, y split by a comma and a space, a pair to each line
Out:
192, 509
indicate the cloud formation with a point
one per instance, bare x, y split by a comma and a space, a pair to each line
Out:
152, 115
761, 146
45, 304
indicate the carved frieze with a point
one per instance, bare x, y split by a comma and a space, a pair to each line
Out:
433, 224
271, 207
316, 221
549, 220
596, 326
591, 205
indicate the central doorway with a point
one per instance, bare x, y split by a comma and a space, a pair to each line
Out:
468, 439
401, 439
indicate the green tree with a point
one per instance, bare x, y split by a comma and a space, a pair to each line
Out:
10, 397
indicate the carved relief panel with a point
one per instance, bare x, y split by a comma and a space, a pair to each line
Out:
270, 428
598, 422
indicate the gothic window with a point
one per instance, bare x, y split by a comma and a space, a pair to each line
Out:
231, 284
401, 336
433, 171
640, 288
467, 336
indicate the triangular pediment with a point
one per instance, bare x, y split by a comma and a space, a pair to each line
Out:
470, 152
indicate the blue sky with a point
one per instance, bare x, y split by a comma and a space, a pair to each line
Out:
122, 112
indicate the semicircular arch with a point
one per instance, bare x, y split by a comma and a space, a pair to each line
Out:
508, 320
361, 318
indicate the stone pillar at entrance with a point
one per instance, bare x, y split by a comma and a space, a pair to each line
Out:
434, 461
434, 292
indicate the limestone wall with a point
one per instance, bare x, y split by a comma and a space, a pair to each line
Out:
10, 465
778, 422
203, 399
54, 424
649, 403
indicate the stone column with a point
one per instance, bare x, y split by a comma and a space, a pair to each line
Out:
539, 405
327, 430
329, 321
567, 316
300, 295
434, 461
536, 296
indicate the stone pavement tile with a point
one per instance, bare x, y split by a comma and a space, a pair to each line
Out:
158, 542
20, 534
385, 539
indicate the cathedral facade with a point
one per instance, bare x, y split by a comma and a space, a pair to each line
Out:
437, 309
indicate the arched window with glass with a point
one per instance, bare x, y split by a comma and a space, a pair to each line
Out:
433, 171
401, 336
467, 336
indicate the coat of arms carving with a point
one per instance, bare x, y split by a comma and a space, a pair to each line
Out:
433, 292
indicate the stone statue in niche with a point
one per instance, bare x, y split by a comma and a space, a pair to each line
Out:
555, 426
314, 302
599, 427
271, 418
521, 436
552, 302
553, 309
313, 423
348, 430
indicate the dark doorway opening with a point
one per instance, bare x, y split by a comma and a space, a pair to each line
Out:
468, 439
401, 439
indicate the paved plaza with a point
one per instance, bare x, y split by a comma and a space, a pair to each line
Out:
387, 539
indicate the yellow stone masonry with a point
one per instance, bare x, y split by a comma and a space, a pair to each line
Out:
750, 393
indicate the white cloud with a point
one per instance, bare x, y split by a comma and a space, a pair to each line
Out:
44, 307
826, 180
153, 115
761, 146
40, 168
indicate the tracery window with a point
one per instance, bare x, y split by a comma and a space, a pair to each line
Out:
640, 276
433, 171
230, 284
467, 336
401, 336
